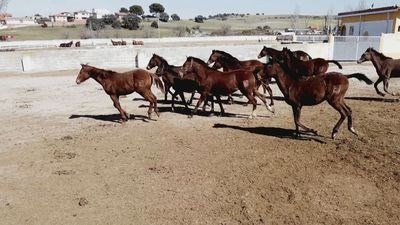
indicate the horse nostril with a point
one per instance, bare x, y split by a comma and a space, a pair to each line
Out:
78, 81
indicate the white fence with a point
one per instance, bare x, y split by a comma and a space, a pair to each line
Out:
352, 47
312, 38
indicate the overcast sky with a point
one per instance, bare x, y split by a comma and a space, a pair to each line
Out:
189, 8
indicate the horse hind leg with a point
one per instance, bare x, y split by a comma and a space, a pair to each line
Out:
262, 98
386, 87
380, 79
349, 119
343, 114
252, 101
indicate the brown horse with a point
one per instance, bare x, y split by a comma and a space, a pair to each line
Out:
272, 53
230, 63
330, 87
301, 68
66, 45
385, 67
116, 43
77, 44
217, 83
117, 84
134, 42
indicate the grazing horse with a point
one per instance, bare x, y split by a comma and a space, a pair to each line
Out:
385, 67
117, 84
330, 87
272, 53
217, 83
301, 68
230, 63
123, 42
134, 42
66, 45
115, 43
77, 44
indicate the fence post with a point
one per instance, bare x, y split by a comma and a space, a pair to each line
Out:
358, 43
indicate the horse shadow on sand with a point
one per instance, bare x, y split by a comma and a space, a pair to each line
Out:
272, 132
115, 118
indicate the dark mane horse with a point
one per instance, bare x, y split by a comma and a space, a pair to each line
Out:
117, 84
116, 43
301, 68
385, 67
66, 45
330, 87
217, 83
230, 63
272, 53
78, 44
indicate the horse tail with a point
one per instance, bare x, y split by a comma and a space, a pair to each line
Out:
360, 77
155, 79
336, 63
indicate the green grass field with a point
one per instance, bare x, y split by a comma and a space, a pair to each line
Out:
234, 24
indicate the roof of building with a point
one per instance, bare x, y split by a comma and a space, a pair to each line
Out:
370, 11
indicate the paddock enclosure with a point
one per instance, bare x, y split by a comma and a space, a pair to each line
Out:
66, 159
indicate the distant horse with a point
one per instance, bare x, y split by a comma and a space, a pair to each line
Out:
272, 53
66, 45
77, 44
137, 42
301, 68
117, 84
385, 67
217, 83
230, 63
116, 43
313, 90
123, 42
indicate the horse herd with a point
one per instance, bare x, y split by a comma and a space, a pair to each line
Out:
303, 81
114, 43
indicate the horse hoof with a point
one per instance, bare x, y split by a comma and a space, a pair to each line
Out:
334, 135
352, 130
271, 109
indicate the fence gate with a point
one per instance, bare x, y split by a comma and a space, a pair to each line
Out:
352, 47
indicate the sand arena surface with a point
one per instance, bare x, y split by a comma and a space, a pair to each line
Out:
65, 159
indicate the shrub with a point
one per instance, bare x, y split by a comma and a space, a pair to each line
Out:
116, 24
131, 22
95, 24
175, 17
109, 19
199, 19
154, 24
164, 17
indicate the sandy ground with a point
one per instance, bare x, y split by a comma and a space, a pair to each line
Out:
65, 159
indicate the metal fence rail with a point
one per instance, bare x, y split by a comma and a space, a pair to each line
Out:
352, 47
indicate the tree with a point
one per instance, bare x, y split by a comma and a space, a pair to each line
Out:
199, 19
294, 18
154, 24
116, 24
156, 8
136, 9
123, 10
175, 17
131, 22
109, 19
164, 17
95, 24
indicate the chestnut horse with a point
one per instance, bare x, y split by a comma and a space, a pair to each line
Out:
272, 53
78, 44
301, 68
330, 87
217, 83
117, 84
228, 63
385, 67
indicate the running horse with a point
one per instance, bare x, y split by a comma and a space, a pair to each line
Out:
299, 68
117, 84
66, 45
272, 53
385, 67
216, 83
229, 63
330, 87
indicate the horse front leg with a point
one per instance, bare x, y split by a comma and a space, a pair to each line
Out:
124, 115
220, 104
201, 99
184, 101
380, 79
297, 114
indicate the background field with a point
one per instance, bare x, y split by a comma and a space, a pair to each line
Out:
236, 25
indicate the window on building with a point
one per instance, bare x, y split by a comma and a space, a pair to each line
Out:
351, 30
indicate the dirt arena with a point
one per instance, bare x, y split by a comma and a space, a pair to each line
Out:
65, 159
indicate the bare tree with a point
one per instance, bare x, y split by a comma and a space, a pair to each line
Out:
3, 5
294, 18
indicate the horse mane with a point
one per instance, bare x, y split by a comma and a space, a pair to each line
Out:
380, 55
227, 55
162, 60
199, 61
101, 72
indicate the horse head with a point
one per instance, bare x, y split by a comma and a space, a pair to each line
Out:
366, 56
83, 74
263, 53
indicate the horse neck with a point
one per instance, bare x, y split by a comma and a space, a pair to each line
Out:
201, 71
284, 81
376, 61
229, 62
98, 75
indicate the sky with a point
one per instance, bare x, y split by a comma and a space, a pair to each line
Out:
191, 8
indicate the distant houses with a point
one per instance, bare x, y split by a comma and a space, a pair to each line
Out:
7, 21
78, 17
